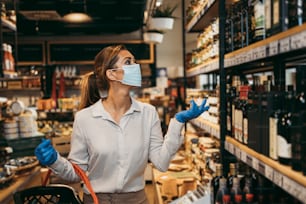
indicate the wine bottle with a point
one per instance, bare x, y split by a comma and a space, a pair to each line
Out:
273, 120
298, 119
222, 195
229, 42
238, 25
233, 173
259, 16
295, 13
215, 182
268, 17
280, 16
248, 191
283, 128
236, 193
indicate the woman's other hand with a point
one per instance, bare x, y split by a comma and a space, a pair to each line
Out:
45, 153
194, 112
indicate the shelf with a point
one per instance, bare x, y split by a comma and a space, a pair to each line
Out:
208, 126
20, 89
207, 67
203, 17
8, 24
288, 41
291, 181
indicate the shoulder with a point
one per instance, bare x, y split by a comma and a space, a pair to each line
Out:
88, 112
144, 106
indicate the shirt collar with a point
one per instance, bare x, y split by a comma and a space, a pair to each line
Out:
98, 110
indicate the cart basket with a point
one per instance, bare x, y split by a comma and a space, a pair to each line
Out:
50, 194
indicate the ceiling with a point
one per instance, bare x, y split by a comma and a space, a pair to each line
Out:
44, 17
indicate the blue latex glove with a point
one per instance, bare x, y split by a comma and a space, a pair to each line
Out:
45, 153
194, 112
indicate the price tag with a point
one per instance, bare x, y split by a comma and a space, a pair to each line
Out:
255, 164
302, 195
231, 148
284, 45
296, 41
243, 157
262, 51
255, 54
269, 172
238, 153
52, 110
278, 178
249, 160
250, 55
288, 185
303, 39
273, 48
226, 145
261, 168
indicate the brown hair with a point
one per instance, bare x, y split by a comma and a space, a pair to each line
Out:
104, 60
96, 81
89, 90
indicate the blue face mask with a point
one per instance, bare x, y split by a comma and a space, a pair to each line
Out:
132, 75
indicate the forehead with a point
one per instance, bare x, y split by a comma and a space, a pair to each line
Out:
125, 54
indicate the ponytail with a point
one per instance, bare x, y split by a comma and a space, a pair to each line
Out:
89, 90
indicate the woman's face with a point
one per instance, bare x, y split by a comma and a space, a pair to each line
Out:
124, 58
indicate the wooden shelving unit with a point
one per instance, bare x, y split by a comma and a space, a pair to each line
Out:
292, 181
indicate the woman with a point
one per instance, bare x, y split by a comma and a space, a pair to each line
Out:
114, 136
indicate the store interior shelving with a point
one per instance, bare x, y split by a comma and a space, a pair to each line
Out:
286, 48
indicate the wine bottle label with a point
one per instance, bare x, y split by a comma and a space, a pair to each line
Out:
284, 147
273, 137
259, 12
245, 131
276, 12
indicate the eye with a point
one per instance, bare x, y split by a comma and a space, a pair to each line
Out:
129, 61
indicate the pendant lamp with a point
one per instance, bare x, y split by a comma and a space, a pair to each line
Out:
78, 13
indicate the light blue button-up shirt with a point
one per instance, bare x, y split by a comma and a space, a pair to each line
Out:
115, 155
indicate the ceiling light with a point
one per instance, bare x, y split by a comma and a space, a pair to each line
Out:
77, 17
78, 13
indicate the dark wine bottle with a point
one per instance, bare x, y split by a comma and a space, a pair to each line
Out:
236, 193
215, 182
248, 191
279, 16
222, 195
233, 173
299, 122
273, 121
295, 13
284, 128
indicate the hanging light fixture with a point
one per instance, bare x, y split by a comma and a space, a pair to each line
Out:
78, 14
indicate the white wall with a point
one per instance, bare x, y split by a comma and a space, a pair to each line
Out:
169, 53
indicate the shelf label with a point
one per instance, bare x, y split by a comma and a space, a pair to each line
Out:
284, 45
231, 148
262, 52
261, 168
278, 178
249, 160
273, 48
243, 156
255, 164
238, 153
288, 185
269, 172
296, 41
